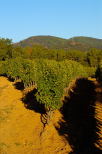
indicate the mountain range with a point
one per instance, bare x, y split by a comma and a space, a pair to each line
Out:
52, 42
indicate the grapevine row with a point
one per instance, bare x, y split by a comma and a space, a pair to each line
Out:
50, 76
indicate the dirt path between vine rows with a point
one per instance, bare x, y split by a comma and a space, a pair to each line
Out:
20, 128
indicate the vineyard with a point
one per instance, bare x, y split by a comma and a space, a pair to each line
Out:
64, 82
50, 77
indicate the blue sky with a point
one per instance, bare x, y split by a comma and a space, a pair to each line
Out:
20, 19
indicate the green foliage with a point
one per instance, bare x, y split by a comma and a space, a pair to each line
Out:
90, 71
89, 58
5, 49
19, 68
76, 55
94, 57
53, 77
49, 84
18, 52
50, 76
2, 70
28, 75
51, 67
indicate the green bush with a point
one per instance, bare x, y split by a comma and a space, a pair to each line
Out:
19, 68
53, 77
50, 76
90, 71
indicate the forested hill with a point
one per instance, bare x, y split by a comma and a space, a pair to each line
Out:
92, 42
79, 43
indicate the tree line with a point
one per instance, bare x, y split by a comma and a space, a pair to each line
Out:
8, 50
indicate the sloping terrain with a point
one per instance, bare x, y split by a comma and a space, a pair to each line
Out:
78, 43
92, 42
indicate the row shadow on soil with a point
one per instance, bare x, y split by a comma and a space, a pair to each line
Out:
80, 126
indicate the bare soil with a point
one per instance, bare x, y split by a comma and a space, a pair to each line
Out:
21, 128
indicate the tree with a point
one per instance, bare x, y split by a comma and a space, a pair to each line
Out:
94, 56
5, 49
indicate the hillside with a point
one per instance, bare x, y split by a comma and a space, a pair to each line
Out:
79, 43
92, 42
